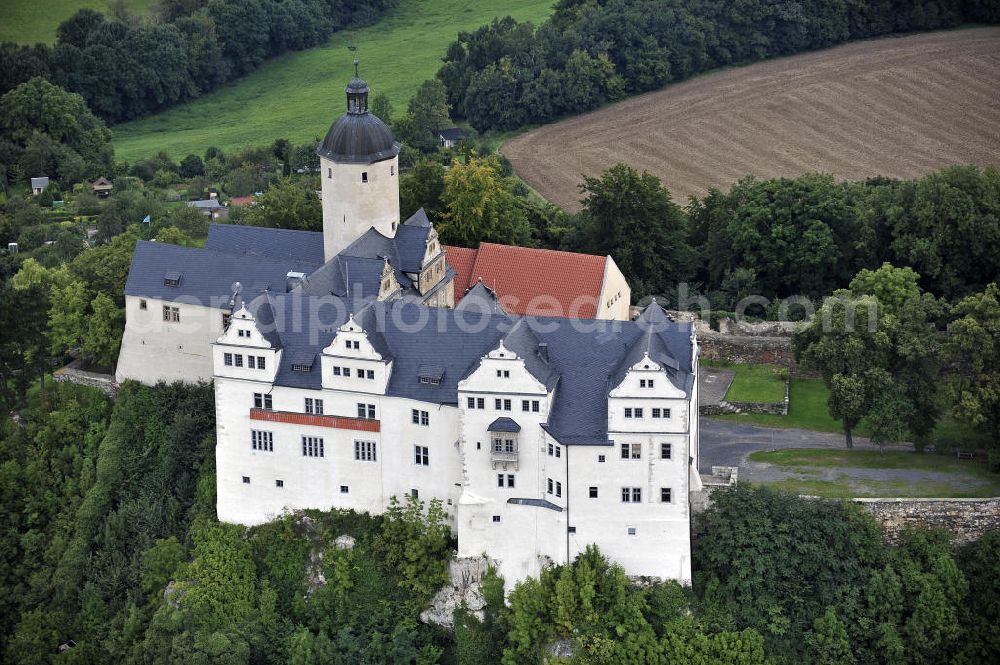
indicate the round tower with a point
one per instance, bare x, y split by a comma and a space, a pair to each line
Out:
359, 167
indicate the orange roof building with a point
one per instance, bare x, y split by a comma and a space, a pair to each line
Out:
543, 282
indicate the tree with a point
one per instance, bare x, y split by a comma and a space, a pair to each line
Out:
104, 331
192, 166
828, 641
631, 217
479, 206
422, 187
286, 205
67, 317
972, 350
381, 107
427, 112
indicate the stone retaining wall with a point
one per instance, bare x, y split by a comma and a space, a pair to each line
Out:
103, 382
965, 519
742, 349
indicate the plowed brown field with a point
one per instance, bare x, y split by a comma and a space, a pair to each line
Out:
898, 107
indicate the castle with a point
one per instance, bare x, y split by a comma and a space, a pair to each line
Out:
347, 371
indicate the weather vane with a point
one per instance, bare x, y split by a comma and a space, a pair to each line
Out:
353, 49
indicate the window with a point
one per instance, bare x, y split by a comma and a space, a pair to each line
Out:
366, 411
142, 305
642, 383
347, 371
496, 518
534, 406
414, 493
226, 317
420, 417
571, 529
252, 362
227, 359
480, 403
344, 489
246, 480
645, 383
370, 374
628, 412
263, 441
638, 412
550, 450
593, 492
601, 458
665, 494
631, 530
505, 480
470, 402
262, 401
558, 488
314, 406
503, 373
497, 403
364, 176
392, 169
631, 495
525, 405
631, 451
549, 485
279, 483
530, 405
421, 457
503, 445
558, 451
661, 413
172, 314
260, 362
666, 451
364, 451
239, 359
312, 446
354, 344
329, 173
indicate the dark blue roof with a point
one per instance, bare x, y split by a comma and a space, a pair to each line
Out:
305, 247
582, 358
205, 276
537, 503
503, 424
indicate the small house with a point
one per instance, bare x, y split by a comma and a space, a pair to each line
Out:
450, 137
102, 187
38, 185
213, 193
211, 208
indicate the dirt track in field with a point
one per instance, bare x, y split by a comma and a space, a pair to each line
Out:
898, 106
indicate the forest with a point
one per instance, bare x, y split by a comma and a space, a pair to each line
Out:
126, 66
111, 552
590, 52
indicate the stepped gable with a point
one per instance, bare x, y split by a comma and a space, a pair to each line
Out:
201, 274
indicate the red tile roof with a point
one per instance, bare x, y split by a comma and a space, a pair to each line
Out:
541, 282
241, 200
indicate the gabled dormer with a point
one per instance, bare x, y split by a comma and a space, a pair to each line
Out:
649, 379
250, 347
502, 371
352, 360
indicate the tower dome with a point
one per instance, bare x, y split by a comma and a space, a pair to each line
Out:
358, 137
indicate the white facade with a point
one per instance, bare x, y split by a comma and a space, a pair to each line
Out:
357, 197
522, 498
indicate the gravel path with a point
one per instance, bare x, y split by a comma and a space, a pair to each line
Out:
713, 384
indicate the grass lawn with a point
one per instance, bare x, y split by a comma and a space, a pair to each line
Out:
756, 383
849, 473
30, 21
298, 95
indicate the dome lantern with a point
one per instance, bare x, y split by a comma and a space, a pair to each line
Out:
358, 137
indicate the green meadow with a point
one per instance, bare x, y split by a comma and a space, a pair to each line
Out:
30, 21
297, 96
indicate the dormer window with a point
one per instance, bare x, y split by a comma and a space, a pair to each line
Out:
430, 375
303, 362
298, 367
172, 278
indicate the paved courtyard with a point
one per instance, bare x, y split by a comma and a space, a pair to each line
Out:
713, 383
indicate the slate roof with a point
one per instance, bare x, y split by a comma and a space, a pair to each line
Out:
206, 204
42, 182
519, 275
206, 275
581, 361
503, 424
306, 247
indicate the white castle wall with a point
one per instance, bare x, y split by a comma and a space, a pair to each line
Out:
351, 206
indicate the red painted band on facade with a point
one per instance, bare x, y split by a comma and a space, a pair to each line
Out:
336, 422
